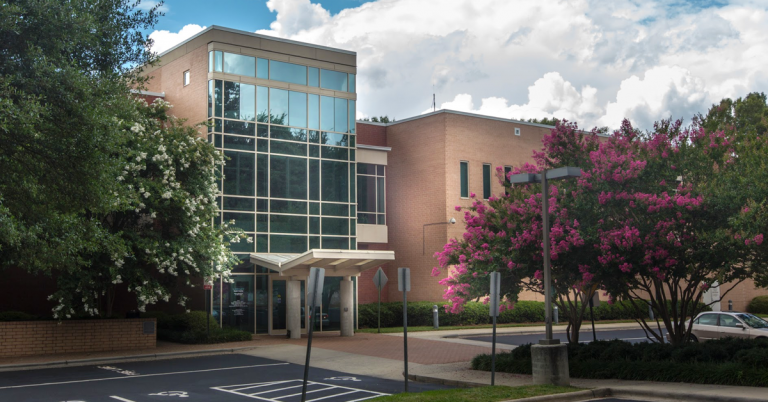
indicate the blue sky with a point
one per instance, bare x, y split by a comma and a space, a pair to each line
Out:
595, 62
246, 15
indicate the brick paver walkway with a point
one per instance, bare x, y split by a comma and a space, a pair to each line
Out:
420, 351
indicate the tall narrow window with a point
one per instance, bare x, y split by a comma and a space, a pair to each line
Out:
486, 181
507, 171
464, 167
186, 78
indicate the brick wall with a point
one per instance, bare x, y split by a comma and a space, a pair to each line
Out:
28, 338
371, 134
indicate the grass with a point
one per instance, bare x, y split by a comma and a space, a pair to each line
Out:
480, 394
392, 330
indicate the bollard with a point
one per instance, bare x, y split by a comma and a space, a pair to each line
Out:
650, 311
435, 324
557, 315
730, 305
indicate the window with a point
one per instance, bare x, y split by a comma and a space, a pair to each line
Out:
334, 181
239, 64
186, 78
707, 319
464, 171
517, 131
728, 321
486, 181
287, 72
507, 171
239, 101
334, 80
288, 177
371, 194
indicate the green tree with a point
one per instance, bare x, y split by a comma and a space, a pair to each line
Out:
380, 119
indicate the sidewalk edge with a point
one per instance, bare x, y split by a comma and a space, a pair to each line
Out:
118, 359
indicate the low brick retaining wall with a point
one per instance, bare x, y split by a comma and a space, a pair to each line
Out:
28, 338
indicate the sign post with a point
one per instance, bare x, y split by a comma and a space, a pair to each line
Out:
380, 279
315, 288
404, 285
208, 286
494, 312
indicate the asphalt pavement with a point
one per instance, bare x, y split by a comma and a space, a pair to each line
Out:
629, 335
231, 378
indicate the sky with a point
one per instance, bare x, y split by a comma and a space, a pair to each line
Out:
594, 62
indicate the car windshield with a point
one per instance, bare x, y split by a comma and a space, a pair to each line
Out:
753, 321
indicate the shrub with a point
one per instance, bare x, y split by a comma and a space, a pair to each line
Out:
758, 305
194, 321
724, 361
17, 316
164, 320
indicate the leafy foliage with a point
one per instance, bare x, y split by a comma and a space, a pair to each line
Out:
725, 361
758, 305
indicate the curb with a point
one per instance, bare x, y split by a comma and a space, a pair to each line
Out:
532, 332
594, 393
117, 359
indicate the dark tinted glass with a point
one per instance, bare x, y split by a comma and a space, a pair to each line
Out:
379, 194
314, 179
218, 96
239, 173
335, 226
239, 204
464, 170
242, 220
366, 193
288, 207
239, 127
341, 140
335, 243
288, 224
287, 72
314, 208
262, 205
262, 104
352, 116
288, 148
262, 223
486, 181
288, 177
262, 130
334, 153
334, 181
366, 168
380, 170
287, 244
262, 242
314, 151
241, 143
314, 225
334, 80
336, 209
314, 242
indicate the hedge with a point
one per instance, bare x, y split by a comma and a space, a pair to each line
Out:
475, 313
758, 305
17, 316
724, 361
191, 328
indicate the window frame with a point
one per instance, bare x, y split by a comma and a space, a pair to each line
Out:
186, 78
488, 179
461, 185
517, 131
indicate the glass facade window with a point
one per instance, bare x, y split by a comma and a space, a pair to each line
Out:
327, 114
297, 107
217, 65
288, 177
239, 173
464, 172
341, 115
262, 68
278, 106
287, 72
371, 194
334, 80
314, 76
239, 64
239, 101
351, 82
334, 181
486, 181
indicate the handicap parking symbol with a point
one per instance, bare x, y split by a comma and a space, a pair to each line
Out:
180, 394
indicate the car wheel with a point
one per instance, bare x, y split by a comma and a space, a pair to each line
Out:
694, 338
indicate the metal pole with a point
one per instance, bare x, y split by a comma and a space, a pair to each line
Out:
405, 330
435, 318
493, 354
309, 338
592, 315
547, 273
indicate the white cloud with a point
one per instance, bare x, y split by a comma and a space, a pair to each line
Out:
147, 5
164, 40
586, 60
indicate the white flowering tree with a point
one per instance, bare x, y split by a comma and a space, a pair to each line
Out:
158, 234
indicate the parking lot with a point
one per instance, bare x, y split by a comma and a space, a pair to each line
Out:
232, 377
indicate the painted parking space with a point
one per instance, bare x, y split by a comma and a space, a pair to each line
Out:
214, 378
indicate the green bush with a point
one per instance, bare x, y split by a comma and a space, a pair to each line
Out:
723, 361
194, 321
758, 305
475, 313
17, 316
164, 320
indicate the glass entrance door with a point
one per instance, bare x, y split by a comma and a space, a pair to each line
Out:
279, 302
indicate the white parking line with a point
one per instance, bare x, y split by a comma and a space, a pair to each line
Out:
237, 390
140, 376
121, 399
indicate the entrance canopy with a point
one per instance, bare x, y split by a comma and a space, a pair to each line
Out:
335, 262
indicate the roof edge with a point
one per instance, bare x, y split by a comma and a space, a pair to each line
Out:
374, 147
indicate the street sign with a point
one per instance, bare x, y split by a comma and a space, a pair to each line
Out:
380, 279
494, 295
404, 279
207, 286
315, 286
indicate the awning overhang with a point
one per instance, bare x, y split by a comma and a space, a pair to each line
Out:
335, 262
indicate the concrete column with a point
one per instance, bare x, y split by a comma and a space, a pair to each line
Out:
293, 298
550, 364
346, 307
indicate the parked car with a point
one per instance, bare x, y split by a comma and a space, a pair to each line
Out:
318, 317
724, 324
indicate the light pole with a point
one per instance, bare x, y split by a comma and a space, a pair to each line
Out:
550, 365
423, 231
